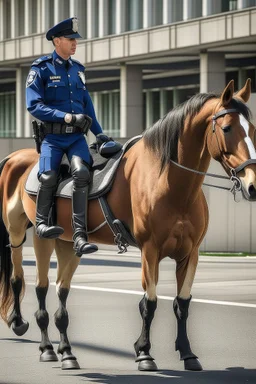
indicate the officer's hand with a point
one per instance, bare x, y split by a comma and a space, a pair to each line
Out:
79, 120
100, 139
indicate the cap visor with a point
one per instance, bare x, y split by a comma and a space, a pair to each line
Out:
73, 36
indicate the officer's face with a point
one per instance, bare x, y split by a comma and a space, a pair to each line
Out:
65, 47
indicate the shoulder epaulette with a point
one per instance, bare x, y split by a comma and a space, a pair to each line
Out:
78, 62
42, 59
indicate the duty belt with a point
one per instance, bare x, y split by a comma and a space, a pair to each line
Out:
63, 129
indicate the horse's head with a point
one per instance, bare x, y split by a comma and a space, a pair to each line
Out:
231, 137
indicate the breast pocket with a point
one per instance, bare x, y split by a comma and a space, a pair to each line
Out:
80, 91
57, 91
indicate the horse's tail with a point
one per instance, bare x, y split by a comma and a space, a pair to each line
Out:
6, 295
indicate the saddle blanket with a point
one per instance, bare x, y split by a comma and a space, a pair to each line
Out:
103, 172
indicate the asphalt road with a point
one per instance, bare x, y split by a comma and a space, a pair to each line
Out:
105, 322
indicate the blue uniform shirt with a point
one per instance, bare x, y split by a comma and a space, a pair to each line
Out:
55, 87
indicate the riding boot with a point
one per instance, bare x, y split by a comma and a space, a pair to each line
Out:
80, 207
44, 203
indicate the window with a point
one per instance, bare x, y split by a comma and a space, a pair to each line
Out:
34, 16
7, 19
107, 109
7, 114
135, 14
21, 18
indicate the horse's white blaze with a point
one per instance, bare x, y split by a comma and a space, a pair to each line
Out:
247, 139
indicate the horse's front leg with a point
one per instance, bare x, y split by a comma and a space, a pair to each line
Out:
147, 307
185, 273
43, 251
67, 264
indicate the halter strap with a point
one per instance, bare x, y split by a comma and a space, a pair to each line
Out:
222, 113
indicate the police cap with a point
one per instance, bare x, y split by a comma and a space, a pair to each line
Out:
66, 28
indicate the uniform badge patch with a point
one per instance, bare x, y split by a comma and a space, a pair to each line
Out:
82, 77
31, 77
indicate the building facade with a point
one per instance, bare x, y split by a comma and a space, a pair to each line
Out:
143, 57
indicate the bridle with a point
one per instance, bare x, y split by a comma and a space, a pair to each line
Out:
236, 183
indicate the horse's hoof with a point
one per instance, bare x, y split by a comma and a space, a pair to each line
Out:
21, 329
192, 364
146, 362
70, 364
69, 361
48, 355
147, 365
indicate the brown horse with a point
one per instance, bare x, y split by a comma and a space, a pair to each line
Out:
157, 193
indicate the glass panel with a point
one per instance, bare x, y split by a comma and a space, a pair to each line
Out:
135, 14
232, 5
21, 14
7, 19
112, 17
157, 12
34, 16
7, 115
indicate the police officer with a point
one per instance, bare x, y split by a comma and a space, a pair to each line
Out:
56, 94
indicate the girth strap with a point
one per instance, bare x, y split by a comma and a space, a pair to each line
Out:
122, 236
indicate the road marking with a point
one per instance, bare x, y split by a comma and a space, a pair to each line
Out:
170, 298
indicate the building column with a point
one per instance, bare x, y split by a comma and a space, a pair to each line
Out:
103, 17
121, 16
163, 102
131, 101
148, 7
14, 19
1, 20
149, 109
58, 11
28, 18
91, 14
210, 7
212, 72
176, 97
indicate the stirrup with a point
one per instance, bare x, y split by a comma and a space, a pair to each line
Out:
82, 246
53, 232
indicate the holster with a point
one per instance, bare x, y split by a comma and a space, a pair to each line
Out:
37, 134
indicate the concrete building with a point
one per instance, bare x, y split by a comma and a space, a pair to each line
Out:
142, 57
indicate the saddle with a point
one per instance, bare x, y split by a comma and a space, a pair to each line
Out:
103, 173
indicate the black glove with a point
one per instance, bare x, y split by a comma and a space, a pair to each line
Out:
81, 121
100, 139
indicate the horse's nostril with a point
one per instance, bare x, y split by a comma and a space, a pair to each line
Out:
252, 190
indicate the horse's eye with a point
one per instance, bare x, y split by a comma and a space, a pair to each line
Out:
226, 128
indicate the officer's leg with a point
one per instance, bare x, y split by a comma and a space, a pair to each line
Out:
49, 162
81, 180
48, 182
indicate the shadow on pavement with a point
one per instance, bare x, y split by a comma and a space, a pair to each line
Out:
232, 375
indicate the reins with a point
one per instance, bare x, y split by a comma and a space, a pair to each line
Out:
237, 186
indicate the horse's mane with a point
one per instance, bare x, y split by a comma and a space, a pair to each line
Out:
163, 136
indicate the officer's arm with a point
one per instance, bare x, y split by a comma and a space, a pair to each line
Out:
89, 110
35, 99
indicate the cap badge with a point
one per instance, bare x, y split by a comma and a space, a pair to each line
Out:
75, 25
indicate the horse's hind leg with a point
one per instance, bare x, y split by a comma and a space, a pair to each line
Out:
43, 250
67, 264
185, 273
147, 307
16, 226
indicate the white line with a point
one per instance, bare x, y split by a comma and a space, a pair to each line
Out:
170, 298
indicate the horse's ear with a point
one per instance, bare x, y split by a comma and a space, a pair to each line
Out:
245, 92
227, 94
